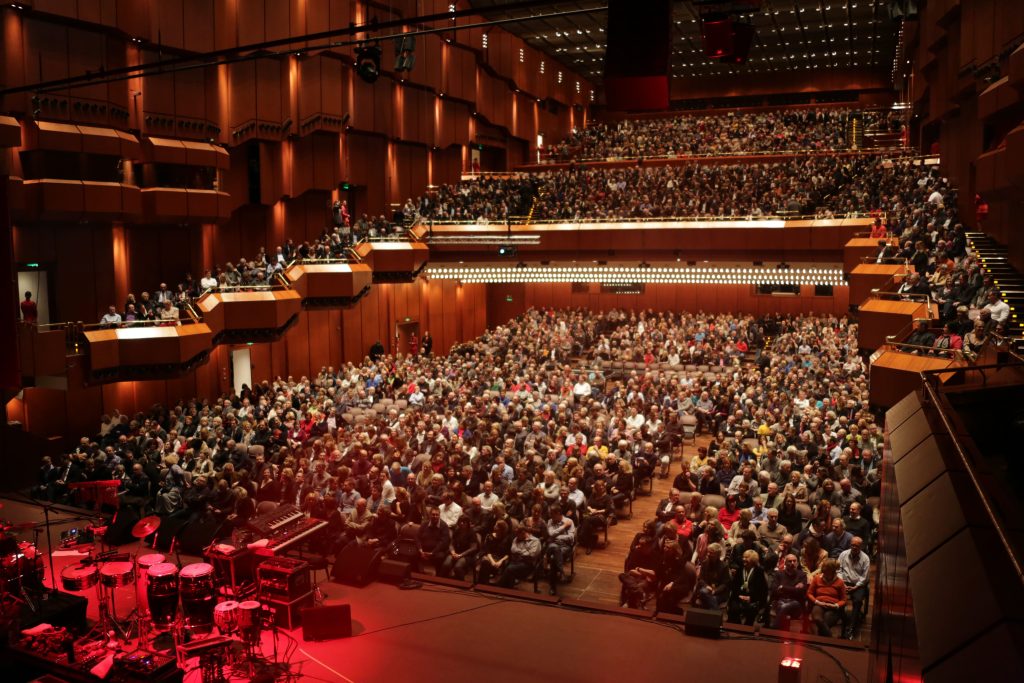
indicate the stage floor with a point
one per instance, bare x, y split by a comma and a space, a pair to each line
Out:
436, 633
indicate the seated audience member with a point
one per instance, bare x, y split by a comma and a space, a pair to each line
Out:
495, 552
523, 556
111, 318
788, 593
713, 578
748, 590
561, 535
462, 554
433, 540
826, 593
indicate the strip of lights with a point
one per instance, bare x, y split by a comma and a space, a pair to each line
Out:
622, 275
482, 239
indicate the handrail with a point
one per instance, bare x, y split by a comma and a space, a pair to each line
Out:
887, 260
497, 222
953, 354
896, 296
928, 377
753, 154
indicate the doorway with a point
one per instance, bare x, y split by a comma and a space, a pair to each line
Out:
241, 369
36, 281
407, 337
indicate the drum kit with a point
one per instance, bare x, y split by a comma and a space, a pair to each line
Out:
173, 606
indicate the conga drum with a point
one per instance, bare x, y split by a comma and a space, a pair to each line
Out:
225, 616
79, 577
162, 594
145, 563
197, 593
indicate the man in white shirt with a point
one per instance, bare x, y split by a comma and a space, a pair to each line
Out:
450, 510
208, 281
582, 389
997, 307
855, 570
111, 317
487, 497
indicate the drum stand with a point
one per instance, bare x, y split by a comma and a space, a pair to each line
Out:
108, 614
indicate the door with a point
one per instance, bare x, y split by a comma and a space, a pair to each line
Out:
407, 337
241, 368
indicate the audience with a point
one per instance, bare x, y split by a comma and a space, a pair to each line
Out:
637, 192
724, 133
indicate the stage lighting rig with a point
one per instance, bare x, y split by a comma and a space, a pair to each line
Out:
368, 62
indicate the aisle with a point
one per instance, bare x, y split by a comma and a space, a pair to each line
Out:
597, 574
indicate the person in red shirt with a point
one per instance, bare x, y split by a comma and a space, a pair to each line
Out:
826, 594
29, 310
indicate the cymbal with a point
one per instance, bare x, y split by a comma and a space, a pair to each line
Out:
20, 526
146, 526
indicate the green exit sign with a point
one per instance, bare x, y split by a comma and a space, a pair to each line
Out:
508, 298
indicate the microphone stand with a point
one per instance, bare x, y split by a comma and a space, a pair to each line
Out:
49, 542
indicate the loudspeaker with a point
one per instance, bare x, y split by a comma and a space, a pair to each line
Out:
637, 56
393, 571
196, 536
356, 564
704, 623
252, 159
327, 622
168, 531
119, 531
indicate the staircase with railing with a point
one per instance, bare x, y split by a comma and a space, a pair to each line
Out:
1009, 282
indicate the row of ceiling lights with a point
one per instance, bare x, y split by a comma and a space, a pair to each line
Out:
630, 275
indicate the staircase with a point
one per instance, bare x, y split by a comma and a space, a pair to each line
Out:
992, 256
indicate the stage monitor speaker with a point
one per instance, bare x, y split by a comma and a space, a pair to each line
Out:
119, 531
637, 56
197, 535
327, 622
704, 623
356, 564
168, 531
393, 571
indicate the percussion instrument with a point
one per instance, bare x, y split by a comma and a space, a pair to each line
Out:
115, 574
79, 577
197, 594
147, 561
162, 593
249, 619
146, 526
225, 616
23, 565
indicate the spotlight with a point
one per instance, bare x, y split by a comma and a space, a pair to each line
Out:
368, 63
508, 250
789, 670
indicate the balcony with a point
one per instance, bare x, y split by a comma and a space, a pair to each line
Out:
393, 261
884, 315
761, 238
73, 200
867, 277
896, 367
250, 315
179, 205
146, 351
857, 251
325, 284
